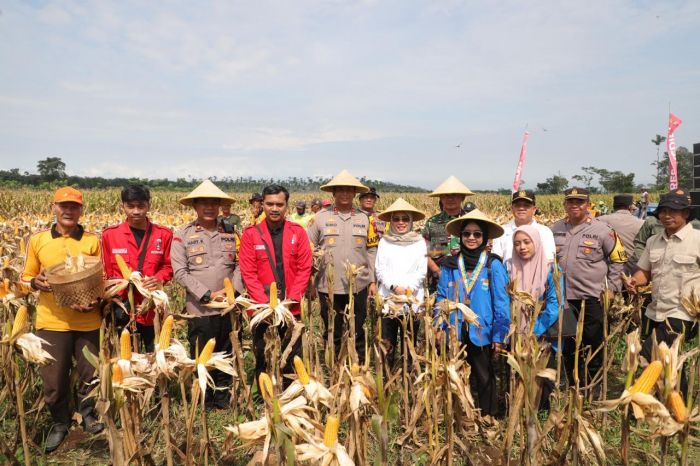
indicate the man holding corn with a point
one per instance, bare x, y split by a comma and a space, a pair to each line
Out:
671, 262
202, 255
342, 232
67, 330
277, 251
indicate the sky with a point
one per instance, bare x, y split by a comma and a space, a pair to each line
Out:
386, 89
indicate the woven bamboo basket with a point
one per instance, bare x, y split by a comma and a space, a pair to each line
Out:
80, 288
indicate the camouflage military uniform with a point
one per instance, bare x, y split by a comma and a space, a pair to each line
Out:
439, 241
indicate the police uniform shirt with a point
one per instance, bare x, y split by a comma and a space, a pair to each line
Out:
343, 238
201, 259
588, 253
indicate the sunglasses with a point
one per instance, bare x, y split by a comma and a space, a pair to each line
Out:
401, 219
474, 234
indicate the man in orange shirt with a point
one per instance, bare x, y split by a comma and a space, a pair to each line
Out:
67, 330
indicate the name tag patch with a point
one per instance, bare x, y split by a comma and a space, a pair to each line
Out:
119, 250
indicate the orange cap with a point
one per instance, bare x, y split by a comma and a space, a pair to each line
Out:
68, 194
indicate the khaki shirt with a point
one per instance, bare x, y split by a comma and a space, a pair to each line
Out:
343, 238
674, 264
626, 226
201, 260
588, 253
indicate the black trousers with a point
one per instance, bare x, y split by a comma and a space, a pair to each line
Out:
64, 347
593, 336
392, 334
147, 337
339, 303
667, 332
483, 376
259, 350
199, 331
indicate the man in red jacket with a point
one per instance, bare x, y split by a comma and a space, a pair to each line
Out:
275, 250
145, 247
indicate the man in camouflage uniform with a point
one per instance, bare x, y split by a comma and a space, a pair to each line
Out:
591, 255
341, 232
367, 203
451, 194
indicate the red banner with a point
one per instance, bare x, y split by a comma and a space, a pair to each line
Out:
673, 123
521, 162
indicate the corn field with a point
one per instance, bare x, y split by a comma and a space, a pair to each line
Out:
336, 410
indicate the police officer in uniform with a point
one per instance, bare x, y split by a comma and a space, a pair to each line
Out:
202, 255
590, 253
451, 194
342, 233
625, 224
367, 202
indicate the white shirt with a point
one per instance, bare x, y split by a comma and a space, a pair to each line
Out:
404, 266
503, 246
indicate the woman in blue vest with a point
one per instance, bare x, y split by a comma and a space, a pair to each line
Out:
481, 281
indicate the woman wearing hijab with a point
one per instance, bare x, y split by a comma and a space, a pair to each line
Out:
478, 279
401, 266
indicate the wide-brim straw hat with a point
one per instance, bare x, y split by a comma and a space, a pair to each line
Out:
206, 189
454, 227
344, 178
451, 186
400, 205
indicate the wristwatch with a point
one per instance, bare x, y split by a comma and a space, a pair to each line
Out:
206, 299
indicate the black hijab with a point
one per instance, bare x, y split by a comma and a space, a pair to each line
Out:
471, 256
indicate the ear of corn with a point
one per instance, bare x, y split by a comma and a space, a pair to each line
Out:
22, 246
330, 434
117, 374
409, 292
677, 406
230, 292
300, 369
206, 351
354, 369
645, 382
21, 321
166, 331
273, 295
265, 386
125, 345
123, 268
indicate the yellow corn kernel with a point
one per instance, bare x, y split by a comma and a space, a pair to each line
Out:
123, 268
330, 433
677, 406
21, 321
273, 295
645, 382
117, 374
206, 351
300, 369
166, 331
125, 345
230, 292
265, 386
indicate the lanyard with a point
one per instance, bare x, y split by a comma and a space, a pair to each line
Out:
470, 281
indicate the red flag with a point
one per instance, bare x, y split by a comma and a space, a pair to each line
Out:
673, 123
521, 162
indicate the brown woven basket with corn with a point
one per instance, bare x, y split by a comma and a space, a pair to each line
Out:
76, 281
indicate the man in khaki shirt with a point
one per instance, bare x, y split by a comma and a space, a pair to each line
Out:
202, 255
671, 261
341, 232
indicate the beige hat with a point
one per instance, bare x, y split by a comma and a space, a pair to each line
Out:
400, 205
451, 186
206, 189
454, 227
344, 178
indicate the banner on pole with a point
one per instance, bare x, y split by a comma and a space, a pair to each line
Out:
673, 123
521, 162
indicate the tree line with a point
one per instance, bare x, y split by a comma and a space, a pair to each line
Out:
51, 172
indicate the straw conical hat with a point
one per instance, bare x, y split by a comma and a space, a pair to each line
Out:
206, 189
451, 186
400, 205
454, 227
344, 178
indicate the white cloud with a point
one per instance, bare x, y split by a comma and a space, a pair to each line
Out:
278, 139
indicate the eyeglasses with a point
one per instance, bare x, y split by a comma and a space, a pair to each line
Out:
401, 219
475, 234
